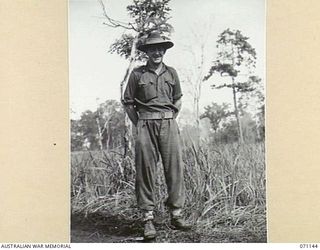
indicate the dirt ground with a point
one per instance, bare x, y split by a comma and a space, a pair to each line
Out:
103, 228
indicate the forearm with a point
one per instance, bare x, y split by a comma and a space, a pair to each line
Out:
132, 113
178, 104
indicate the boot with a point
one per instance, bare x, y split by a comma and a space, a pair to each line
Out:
177, 221
149, 230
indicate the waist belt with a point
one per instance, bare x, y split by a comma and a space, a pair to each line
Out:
156, 115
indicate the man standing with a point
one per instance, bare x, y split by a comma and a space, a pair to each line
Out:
152, 101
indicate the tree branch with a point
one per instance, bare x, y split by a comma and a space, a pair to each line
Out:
114, 23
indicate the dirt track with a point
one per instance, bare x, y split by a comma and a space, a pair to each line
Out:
100, 228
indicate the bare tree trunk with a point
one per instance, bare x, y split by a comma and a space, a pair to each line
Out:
128, 138
199, 84
237, 112
197, 93
197, 112
100, 134
109, 138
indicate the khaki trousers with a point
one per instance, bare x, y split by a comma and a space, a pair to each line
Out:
156, 137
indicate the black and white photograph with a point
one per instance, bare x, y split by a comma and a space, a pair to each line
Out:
167, 121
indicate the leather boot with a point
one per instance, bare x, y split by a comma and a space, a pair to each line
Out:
178, 223
149, 230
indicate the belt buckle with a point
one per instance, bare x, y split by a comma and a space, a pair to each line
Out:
162, 115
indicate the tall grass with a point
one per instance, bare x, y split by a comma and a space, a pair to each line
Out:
225, 186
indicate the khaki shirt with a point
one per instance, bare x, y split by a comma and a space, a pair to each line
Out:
150, 92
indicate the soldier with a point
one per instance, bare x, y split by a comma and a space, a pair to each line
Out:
152, 101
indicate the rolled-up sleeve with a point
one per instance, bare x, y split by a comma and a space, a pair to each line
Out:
130, 92
177, 92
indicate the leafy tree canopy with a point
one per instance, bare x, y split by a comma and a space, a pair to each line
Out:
234, 54
216, 113
147, 16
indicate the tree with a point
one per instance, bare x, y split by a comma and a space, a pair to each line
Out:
100, 129
146, 16
228, 133
250, 130
77, 137
216, 113
195, 60
235, 55
110, 120
88, 129
254, 102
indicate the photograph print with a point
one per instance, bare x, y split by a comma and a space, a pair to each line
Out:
167, 120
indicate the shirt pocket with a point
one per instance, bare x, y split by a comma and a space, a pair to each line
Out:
147, 91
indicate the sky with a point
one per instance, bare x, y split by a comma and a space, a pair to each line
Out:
95, 74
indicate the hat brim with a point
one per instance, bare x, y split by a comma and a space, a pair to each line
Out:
166, 45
